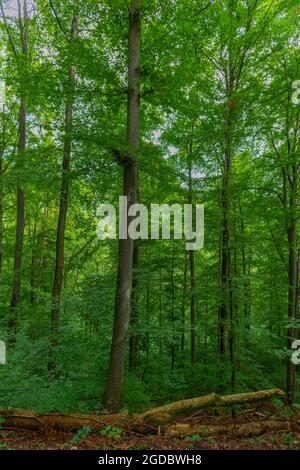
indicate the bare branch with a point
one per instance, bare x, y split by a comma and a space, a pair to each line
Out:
204, 8
58, 20
8, 31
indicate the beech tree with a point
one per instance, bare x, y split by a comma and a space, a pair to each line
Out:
114, 381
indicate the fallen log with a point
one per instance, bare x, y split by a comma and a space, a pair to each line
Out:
148, 422
233, 430
164, 414
249, 397
17, 418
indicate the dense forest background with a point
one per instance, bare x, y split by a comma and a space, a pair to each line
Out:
169, 101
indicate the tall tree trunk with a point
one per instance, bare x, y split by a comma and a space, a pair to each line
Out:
193, 305
33, 267
147, 337
233, 324
160, 311
41, 261
18, 256
225, 233
134, 314
193, 308
1, 207
2, 147
37, 269
205, 331
115, 374
292, 287
246, 275
172, 290
64, 195
291, 175
183, 305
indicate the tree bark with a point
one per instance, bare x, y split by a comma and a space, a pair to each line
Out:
115, 374
134, 315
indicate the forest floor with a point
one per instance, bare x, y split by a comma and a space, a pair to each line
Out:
115, 439
20, 440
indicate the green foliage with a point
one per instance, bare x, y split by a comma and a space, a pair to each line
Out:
141, 447
289, 440
111, 432
204, 431
212, 440
81, 434
2, 420
194, 438
260, 439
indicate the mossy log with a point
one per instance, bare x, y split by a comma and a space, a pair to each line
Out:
164, 414
233, 430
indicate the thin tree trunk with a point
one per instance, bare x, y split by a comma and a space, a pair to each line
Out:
160, 312
172, 288
134, 315
2, 147
115, 374
64, 195
147, 346
233, 325
33, 267
205, 331
292, 294
292, 174
298, 276
1, 208
183, 305
246, 276
37, 269
18, 256
225, 233
41, 258
193, 306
